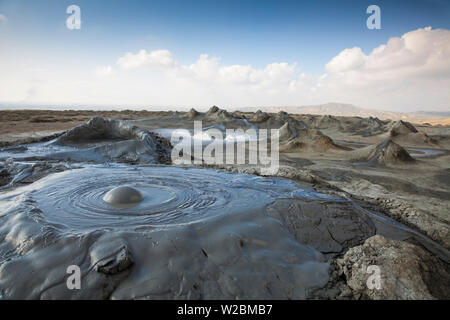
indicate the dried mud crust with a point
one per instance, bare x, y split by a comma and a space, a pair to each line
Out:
406, 271
380, 198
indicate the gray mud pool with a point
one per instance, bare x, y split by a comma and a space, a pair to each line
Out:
196, 233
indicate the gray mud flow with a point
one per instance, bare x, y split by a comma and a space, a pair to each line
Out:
74, 199
198, 233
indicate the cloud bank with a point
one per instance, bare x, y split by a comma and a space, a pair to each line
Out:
407, 73
411, 70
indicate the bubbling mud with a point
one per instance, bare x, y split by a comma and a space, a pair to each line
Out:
129, 197
196, 234
124, 195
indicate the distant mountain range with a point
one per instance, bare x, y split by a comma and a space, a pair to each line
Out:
435, 113
347, 110
334, 109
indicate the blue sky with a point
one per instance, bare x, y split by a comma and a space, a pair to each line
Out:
256, 33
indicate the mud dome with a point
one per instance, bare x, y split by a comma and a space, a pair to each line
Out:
198, 233
99, 140
123, 196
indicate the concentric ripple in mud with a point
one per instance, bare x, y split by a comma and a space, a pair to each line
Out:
172, 196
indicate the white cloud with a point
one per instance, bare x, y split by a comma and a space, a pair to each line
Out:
208, 69
423, 52
205, 68
406, 73
348, 59
153, 59
413, 70
104, 71
238, 74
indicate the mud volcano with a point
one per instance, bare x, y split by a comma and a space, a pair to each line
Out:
126, 197
123, 196
189, 227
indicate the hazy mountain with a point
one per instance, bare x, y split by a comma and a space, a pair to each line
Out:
435, 113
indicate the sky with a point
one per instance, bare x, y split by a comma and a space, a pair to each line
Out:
134, 54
